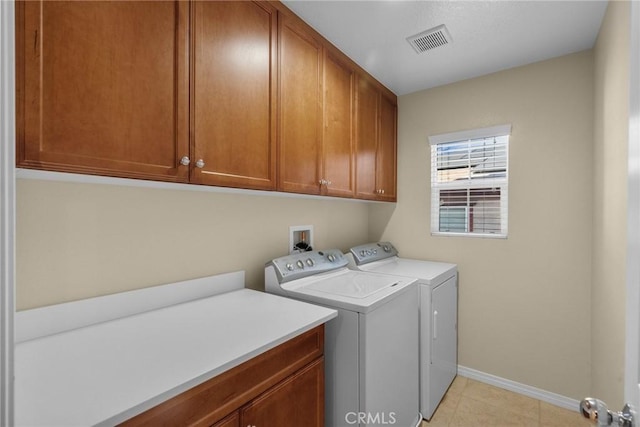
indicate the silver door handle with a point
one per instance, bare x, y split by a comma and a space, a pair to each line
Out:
597, 411
435, 324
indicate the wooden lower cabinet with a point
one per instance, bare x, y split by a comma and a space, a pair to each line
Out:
232, 420
297, 401
283, 386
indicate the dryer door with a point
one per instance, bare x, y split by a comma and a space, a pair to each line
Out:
443, 348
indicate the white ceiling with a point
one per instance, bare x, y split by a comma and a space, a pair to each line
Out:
488, 36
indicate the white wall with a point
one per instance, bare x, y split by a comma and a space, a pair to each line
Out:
524, 301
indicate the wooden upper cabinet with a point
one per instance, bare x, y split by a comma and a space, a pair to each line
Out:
376, 142
387, 145
337, 142
232, 94
300, 111
228, 93
102, 87
367, 108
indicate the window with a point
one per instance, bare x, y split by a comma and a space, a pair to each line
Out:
469, 181
454, 219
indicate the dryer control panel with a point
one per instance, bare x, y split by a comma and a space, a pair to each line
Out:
373, 252
297, 266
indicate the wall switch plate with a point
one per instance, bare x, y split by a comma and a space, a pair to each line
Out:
300, 238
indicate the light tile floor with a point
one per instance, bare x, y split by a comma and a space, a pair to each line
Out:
470, 403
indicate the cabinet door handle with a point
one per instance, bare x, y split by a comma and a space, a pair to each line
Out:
185, 161
200, 163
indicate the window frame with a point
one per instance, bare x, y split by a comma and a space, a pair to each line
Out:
502, 183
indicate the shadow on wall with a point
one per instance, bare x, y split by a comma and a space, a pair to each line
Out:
379, 217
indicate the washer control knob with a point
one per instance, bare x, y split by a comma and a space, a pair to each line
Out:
289, 266
310, 262
300, 264
331, 258
363, 252
386, 248
375, 251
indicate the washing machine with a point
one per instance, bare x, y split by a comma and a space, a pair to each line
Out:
371, 347
438, 289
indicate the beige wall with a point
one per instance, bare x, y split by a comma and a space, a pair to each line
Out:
524, 302
78, 240
611, 125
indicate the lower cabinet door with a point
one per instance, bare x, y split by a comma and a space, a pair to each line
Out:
232, 420
296, 401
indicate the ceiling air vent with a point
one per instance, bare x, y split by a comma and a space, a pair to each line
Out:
430, 39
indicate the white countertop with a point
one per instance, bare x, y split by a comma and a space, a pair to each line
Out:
108, 372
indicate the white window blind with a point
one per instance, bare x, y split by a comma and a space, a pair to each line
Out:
469, 182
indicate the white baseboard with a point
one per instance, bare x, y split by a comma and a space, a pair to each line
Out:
526, 390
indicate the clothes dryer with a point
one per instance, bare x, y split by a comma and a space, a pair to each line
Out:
371, 348
438, 289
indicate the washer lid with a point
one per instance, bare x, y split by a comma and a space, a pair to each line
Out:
359, 291
428, 272
354, 286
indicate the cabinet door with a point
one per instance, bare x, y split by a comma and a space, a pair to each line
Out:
232, 420
367, 107
300, 132
232, 94
386, 161
102, 87
297, 401
337, 142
